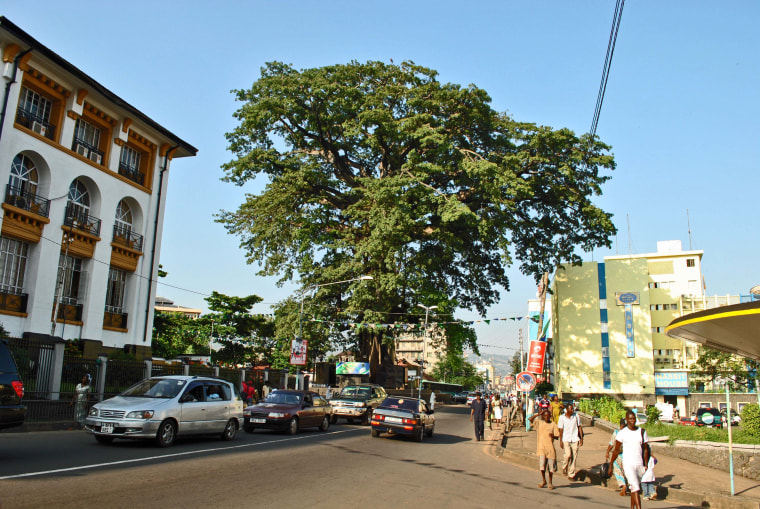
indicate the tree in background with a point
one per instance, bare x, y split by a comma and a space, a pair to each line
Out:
738, 371
515, 364
177, 334
455, 369
382, 170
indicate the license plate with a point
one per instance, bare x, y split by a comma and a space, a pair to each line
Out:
106, 427
395, 420
258, 420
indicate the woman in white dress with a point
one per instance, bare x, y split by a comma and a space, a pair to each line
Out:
497, 408
81, 399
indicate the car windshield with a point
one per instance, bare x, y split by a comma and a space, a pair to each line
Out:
283, 398
355, 391
155, 388
401, 404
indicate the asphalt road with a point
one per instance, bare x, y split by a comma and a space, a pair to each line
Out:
342, 467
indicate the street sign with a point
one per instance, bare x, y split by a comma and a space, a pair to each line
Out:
536, 357
526, 382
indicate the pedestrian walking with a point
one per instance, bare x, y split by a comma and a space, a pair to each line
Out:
648, 489
478, 415
497, 409
546, 433
572, 439
556, 407
617, 466
635, 444
432, 400
328, 393
81, 400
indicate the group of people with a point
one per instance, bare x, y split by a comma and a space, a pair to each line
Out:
629, 457
251, 394
491, 408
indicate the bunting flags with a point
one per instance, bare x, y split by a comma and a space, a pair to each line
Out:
410, 326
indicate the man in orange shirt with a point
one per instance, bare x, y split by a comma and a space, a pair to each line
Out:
546, 433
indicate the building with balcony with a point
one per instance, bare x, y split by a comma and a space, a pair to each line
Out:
609, 324
85, 180
429, 345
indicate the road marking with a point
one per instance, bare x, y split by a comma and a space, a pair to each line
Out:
174, 455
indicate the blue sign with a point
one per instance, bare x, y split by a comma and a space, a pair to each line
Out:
627, 298
629, 330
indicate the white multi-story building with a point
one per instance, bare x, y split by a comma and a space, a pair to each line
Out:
86, 181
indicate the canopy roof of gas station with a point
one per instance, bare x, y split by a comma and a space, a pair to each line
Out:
733, 329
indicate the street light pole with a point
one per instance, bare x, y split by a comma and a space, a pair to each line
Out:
300, 315
422, 362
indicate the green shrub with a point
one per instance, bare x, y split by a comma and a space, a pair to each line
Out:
653, 414
751, 420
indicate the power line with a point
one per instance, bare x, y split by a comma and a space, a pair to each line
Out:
607, 64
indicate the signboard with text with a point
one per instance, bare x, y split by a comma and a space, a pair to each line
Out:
536, 357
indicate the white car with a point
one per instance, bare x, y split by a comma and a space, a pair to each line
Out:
165, 407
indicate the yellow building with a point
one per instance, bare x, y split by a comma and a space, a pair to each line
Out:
609, 325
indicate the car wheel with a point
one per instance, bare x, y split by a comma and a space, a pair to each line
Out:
419, 435
167, 434
293, 426
103, 440
248, 428
430, 431
367, 417
334, 419
375, 433
325, 424
230, 430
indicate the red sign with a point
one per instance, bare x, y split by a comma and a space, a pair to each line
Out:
298, 352
536, 357
526, 382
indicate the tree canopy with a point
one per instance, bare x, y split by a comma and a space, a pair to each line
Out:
380, 169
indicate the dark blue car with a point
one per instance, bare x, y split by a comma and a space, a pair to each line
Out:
399, 415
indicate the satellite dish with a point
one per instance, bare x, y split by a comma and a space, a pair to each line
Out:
755, 290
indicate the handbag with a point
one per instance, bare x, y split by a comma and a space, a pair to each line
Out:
604, 471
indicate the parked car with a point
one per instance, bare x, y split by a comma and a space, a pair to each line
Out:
460, 397
687, 421
357, 402
708, 417
641, 418
289, 411
166, 407
12, 409
470, 397
399, 415
735, 417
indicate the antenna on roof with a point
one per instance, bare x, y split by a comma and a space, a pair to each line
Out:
688, 226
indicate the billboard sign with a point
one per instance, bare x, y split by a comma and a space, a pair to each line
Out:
536, 357
353, 368
298, 352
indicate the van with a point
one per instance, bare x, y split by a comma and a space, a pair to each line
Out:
12, 410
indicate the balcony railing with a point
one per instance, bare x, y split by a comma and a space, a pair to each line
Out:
112, 317
36, 123
132, 174
70, 312
127, 237
84, 149
13, 300
81, 221
25, 200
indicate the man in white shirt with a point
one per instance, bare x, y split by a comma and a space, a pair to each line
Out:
635, 444
571, 432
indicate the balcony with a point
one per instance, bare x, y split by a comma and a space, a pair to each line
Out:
133, 174
81, 221
114, 318
27, 201
127, 238
35, 123
84, 149
70, 312
13, 301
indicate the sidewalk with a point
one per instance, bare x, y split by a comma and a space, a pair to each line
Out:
678, 481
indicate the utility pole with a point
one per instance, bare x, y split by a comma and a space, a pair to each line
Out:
522, 365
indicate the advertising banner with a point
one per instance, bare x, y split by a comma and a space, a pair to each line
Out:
631, 344
298, 352
354, 368
536, 357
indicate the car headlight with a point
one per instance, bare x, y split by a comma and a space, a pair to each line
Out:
93, 412
246, 413
277, 415
140, 414
360, 405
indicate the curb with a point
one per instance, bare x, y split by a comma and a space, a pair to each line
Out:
713, 500
29, 427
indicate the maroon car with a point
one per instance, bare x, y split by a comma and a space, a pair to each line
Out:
288, 410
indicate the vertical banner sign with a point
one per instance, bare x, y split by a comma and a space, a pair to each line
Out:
629, 330
536, 357
298, 352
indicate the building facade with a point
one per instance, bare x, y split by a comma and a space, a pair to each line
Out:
429, 345
609, 325
85, 180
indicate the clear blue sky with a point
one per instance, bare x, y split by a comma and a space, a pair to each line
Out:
681, 108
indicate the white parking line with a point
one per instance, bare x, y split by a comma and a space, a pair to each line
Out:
174, 455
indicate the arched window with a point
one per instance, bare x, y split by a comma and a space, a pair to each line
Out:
78, 206
24, 177
123, 218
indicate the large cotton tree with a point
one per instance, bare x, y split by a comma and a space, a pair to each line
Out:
382, 170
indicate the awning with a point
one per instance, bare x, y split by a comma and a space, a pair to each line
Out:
733, 329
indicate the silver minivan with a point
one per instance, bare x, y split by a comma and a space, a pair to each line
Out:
165, 407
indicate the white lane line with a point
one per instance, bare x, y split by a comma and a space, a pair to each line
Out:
174, 455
